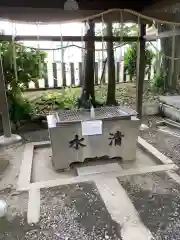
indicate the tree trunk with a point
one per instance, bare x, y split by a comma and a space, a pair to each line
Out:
111, 95
88, 81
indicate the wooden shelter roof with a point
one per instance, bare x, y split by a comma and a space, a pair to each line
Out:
83, 4
52, 11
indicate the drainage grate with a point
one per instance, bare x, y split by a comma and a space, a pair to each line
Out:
100, 113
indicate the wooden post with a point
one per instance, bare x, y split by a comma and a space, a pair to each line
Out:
124, 75
80, 74
54, 65
63, 74
117, 71
46, 83
4, 105
96, 73
72, 74
140, 69
103, 74
36, 83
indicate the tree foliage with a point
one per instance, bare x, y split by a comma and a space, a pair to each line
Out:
130, 59
27, 67
125, 30
20, 66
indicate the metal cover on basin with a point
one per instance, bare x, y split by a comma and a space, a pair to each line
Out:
78, 115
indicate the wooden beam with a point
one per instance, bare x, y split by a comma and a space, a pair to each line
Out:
160, 4
161, 14
83, 4
69, 38
165, 34
56, 15
140, 72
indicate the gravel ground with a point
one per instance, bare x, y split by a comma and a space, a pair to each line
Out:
72, 212
157, 200
14, 226
35, 136
166, 143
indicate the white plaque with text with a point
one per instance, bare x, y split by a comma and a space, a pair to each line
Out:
90, 128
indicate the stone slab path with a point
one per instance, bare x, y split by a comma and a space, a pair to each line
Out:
173, 101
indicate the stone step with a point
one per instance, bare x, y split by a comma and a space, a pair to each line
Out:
102, 168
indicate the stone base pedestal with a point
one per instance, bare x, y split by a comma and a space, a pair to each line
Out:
5, 141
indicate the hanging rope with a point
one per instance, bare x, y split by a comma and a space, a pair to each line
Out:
53, 57
82, 41
59, 48
62, 55
103, 61
151, 18
102, 32
121, 27
39, 55
14, 50
22, 56
62, 49
139, 15
159, 52
82, 51
158, 63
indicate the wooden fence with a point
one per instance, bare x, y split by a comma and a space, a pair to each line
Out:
58, 75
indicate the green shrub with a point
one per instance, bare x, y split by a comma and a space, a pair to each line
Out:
158, 82
19, 108
66, 99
